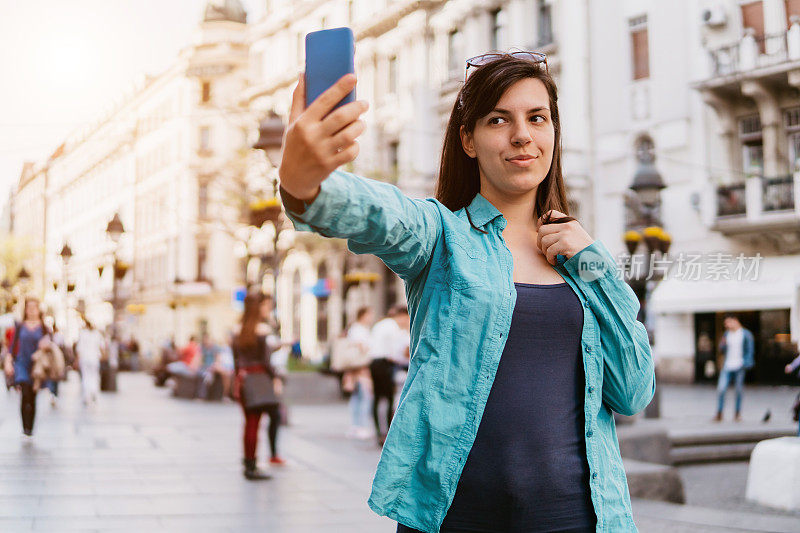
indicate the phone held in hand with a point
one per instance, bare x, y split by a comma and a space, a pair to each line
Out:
329, 56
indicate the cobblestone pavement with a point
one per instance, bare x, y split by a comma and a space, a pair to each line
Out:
141, 460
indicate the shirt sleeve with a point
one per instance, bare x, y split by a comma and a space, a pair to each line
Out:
628, 368
375, 218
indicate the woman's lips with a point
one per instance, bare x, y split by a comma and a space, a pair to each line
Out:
522, 162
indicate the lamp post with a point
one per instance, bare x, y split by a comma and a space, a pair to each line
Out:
647, 185
114, 230
66, 256
270, 140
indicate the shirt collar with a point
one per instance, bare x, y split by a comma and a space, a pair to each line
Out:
481, 211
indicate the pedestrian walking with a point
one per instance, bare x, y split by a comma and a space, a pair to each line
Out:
90, 350
737, 346
498, 428
793, 366
30, 335
356, 379
252, 346
388, 343
52, 384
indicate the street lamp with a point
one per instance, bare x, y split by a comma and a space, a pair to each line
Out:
114, 230
66, 256
647, 185
270, 140
270, 137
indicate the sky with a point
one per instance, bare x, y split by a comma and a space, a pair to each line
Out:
63, 62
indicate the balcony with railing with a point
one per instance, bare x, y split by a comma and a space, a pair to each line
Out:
757, 205
768, 57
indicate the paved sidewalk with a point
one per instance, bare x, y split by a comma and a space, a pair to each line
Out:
141, 460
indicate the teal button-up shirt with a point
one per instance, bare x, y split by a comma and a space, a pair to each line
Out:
461, 295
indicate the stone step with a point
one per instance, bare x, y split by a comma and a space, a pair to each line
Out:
312, 388
653, 481
712, 453
699, 437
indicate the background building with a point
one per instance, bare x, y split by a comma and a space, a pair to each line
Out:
700, 97
168, 161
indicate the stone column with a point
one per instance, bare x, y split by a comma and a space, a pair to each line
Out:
772, 130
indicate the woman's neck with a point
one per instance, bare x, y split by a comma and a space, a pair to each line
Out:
518, 210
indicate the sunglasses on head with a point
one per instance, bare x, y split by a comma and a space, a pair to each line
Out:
477, 61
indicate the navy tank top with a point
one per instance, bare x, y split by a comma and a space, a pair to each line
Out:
527, 469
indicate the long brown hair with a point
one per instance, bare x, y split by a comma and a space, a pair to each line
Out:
459, 177
251, 317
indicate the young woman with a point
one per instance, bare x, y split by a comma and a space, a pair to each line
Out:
29, 336
523, 337
252, 347
357, 381
89, 350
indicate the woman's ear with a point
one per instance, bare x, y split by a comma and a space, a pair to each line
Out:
467, 142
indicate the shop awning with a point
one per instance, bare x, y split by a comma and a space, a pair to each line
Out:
775, 287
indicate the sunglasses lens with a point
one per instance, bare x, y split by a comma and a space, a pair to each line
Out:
482, 59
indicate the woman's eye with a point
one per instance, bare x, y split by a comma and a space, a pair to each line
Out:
534, 117
492, 120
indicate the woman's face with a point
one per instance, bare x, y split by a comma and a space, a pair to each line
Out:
514, 143
32, 310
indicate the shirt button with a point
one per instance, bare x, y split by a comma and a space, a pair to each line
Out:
588, 348
586, 304
594, 475
589, 433
591, 390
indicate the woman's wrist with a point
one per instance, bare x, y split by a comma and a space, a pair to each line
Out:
306, 197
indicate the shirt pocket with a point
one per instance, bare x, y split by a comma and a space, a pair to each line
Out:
464, 262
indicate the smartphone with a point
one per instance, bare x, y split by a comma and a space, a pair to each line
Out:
329, 56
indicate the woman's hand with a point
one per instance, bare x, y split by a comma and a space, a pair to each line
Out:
318, 141
44, 342
277, 384
565, 239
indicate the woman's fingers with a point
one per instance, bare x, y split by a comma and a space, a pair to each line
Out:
347, 154
343, 117
298, 99
332, 96
347, 136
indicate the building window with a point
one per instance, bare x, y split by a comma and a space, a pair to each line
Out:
752, 145
205, 139
639, 48
206, 92
394, 150
545, 22
455, 61
499, 27
202, 199
753, 17
792, 9
201, 262
792, 124
393, 75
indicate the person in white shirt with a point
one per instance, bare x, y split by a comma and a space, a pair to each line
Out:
358, 380
389, 347
89, 349
738, 345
